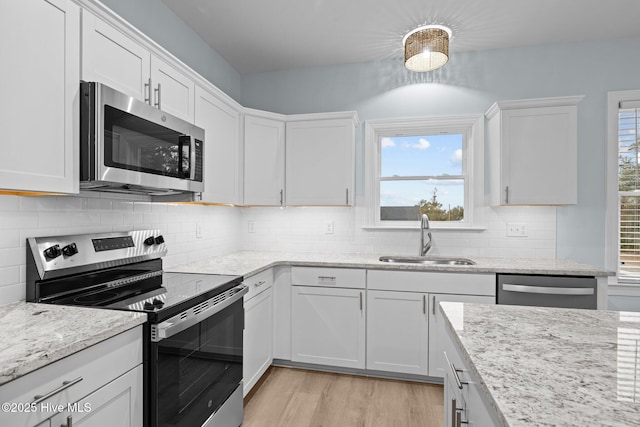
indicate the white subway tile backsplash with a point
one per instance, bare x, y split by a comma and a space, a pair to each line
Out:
224, 229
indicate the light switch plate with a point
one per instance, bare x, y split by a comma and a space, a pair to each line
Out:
251, 226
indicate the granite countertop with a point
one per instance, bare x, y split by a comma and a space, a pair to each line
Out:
552, 366
35, 335
248, 263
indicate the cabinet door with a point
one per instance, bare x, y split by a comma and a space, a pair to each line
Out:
539, 155
437, 337
397, 332
39, 82
173, 91
112, 58
258, 338
328, 326
263, 161
222, 148
118, 403
320, 162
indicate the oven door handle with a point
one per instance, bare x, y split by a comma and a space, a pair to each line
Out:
192, 317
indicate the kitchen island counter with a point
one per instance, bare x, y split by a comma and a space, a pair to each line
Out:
551, 366
35, 335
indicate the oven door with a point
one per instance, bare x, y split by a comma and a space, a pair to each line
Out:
197, 367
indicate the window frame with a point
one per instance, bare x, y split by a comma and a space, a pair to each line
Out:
612, 211
471, 126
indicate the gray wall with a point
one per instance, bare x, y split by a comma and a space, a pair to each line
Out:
470, 83
159, 23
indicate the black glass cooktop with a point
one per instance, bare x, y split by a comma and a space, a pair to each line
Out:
171, 294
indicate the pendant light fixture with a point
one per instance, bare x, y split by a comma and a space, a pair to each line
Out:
426, 48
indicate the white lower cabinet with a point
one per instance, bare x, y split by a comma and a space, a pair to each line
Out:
98, 386
437, 363
258, 328
464, 400
328, 326
397, 332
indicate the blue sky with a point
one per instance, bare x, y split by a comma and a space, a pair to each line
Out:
429, 155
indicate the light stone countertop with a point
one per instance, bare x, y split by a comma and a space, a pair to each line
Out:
552, 366
248, 263
35, 335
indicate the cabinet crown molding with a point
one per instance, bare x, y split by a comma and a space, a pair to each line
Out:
559, 101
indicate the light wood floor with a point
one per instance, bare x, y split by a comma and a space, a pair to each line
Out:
300, 398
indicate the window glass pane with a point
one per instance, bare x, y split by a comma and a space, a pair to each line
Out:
426, 155
628, 150
628, 185
629, 237
441, 200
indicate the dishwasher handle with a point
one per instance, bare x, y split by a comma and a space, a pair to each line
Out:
547, 290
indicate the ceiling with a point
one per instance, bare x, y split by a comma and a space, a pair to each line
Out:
271, 35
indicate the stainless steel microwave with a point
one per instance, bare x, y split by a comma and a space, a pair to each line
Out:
128, 146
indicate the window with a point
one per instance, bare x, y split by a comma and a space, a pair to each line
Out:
629, 191
423, 165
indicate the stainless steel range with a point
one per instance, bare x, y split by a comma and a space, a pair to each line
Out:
193, 337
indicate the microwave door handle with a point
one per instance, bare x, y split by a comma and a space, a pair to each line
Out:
192, 158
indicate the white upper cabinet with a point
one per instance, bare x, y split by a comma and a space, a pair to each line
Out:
222, 148
114, 58
320, 161
173, 91
263, 161
533, 151
39, 82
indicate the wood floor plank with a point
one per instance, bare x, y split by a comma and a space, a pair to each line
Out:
303, 398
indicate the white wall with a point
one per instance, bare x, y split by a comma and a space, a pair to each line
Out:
23, 217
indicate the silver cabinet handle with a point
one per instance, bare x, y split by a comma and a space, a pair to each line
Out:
433, 305
147, 92
69, 422
330, 278
347, 196
281, 197
65, 385
548, 290
156, 92
260, 283
454, 371
360, 301
506, 195
424, 304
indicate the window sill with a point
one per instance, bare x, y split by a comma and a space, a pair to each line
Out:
417, 227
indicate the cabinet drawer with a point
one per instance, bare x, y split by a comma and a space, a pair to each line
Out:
432, 282
329, 277
258, 283
96, 366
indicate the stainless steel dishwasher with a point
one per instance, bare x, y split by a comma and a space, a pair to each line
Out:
547, 291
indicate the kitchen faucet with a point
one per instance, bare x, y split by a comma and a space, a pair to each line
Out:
424, 227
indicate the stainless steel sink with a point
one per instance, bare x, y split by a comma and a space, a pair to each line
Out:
427, 260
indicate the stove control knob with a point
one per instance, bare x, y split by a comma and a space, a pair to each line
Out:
70, 250
149, 241
159, 240
52, 252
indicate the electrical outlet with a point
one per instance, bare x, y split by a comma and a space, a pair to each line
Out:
516, 229
198, 230
251, 226
328, 227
